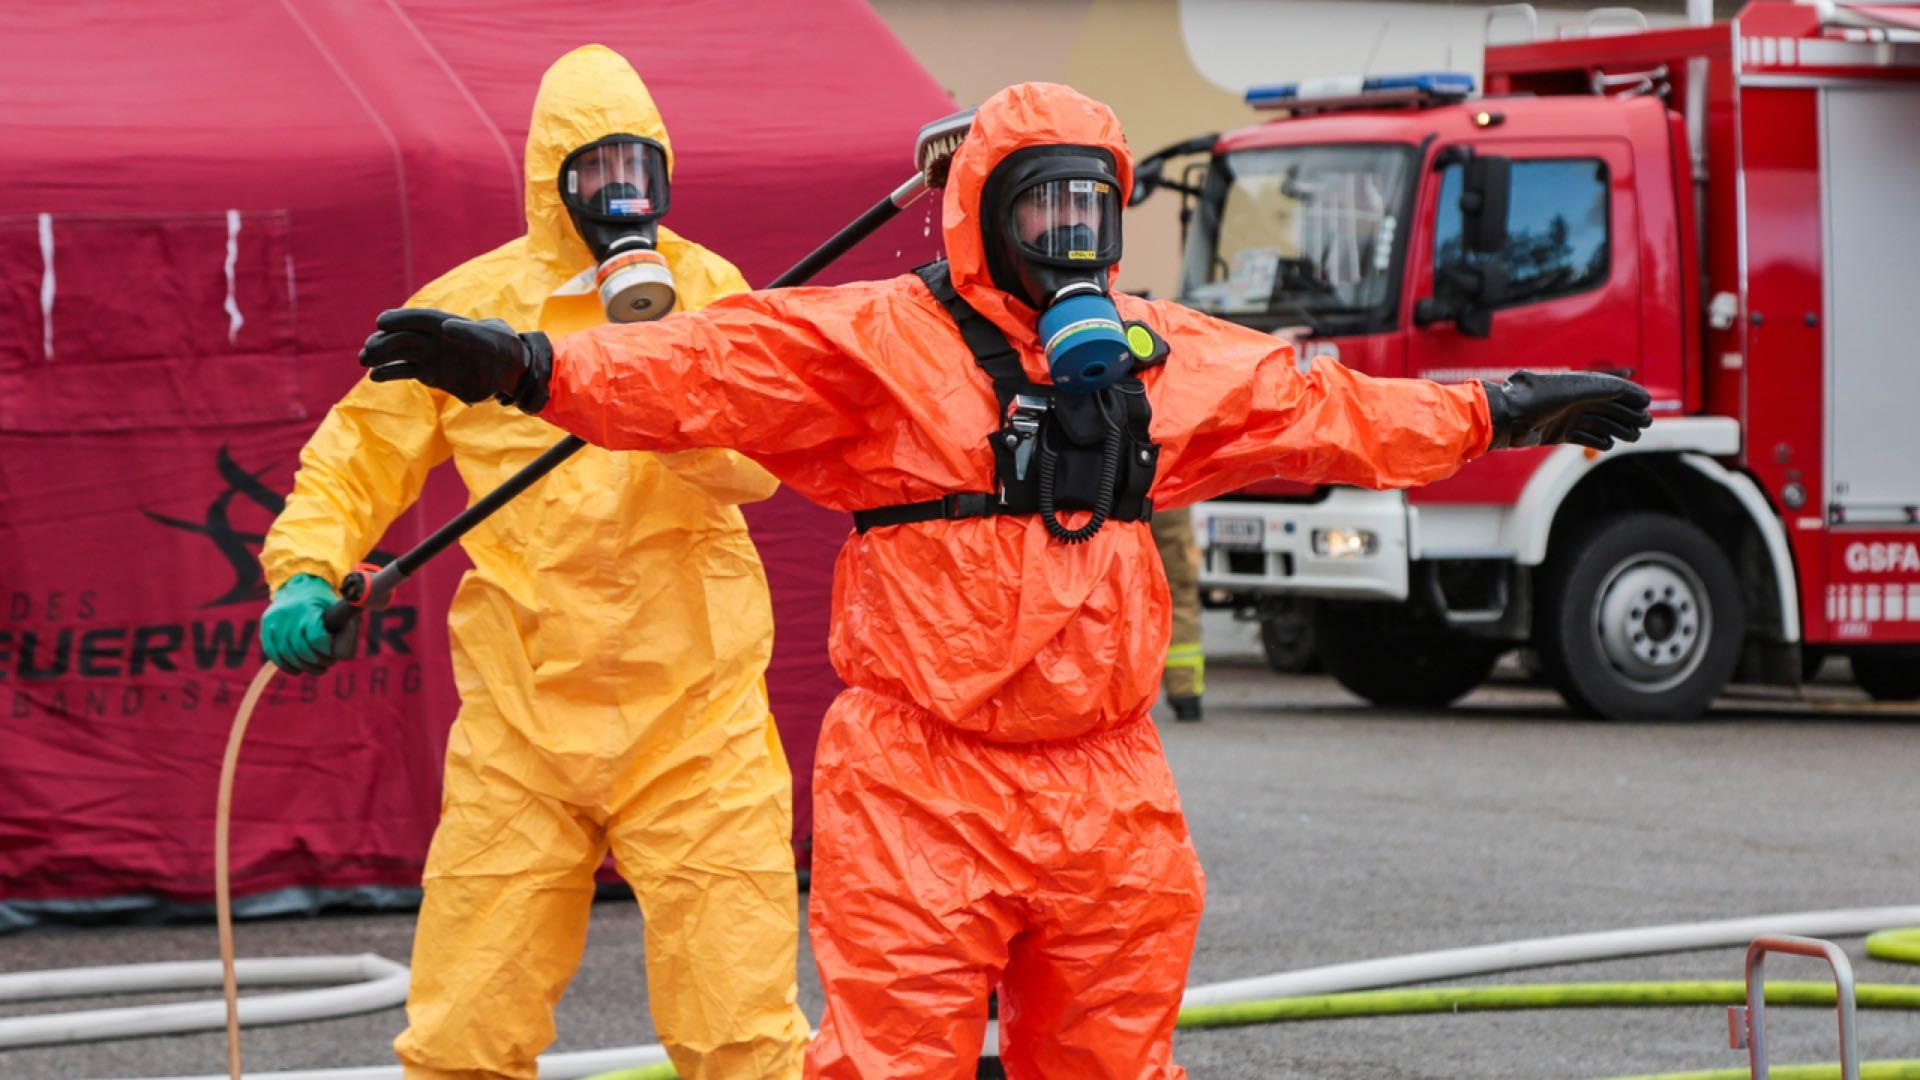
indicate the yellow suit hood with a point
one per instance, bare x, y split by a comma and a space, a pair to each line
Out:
588, 94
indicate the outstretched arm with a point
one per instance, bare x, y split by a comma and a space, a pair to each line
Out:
752, 373
726, 476
1232, 408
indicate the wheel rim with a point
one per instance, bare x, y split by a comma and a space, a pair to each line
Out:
1653, 621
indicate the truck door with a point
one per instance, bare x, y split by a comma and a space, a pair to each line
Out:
1869, 157
1572, 296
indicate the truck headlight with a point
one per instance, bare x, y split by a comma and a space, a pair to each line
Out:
1345, 543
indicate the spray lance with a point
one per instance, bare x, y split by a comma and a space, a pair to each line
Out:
368, 587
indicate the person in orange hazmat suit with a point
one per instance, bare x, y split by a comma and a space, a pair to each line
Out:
610, 644
994, 807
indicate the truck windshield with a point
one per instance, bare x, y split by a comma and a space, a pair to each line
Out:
1306, 235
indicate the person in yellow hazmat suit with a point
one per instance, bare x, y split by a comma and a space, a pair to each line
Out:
609, 644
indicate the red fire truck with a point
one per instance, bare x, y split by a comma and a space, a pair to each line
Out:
1729, 214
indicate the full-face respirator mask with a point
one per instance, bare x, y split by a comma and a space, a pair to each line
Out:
1052, 221
615, 190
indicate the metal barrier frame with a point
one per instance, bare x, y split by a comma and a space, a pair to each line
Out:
1747, 1024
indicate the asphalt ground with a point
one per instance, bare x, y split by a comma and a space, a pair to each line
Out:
1334, 832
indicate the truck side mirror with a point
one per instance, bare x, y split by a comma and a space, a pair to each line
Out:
1149, 173
1485, 183
1466, 292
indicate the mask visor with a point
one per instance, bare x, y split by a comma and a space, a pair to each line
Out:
618, 179
1068, 221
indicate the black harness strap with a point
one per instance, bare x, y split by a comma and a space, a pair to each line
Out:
995, 356
984, 340
998, 359
960, 504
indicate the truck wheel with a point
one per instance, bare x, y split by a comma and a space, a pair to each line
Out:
1640, 619
1287, 637
1888, 676
1373, 650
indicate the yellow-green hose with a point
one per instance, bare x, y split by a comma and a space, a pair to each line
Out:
1532, 996
1871, 1070
644, 1072
1898, 946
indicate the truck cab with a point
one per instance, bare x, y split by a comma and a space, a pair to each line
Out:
1673, 206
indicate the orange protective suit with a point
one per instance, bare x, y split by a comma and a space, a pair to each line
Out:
993, 804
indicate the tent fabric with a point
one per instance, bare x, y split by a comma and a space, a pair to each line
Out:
202, 207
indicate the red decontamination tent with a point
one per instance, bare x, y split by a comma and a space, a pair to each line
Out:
202, 207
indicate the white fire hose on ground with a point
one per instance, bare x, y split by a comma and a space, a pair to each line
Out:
387, 985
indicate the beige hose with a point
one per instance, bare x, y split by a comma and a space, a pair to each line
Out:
222, 885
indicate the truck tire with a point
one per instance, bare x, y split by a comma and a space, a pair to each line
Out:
1376, 652
1639, 619
1287, 637
1888, 676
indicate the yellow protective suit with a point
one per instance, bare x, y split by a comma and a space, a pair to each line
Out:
610, 646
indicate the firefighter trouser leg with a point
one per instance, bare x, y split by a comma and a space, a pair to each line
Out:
721, 903
945, 865
509, 885
1186, 664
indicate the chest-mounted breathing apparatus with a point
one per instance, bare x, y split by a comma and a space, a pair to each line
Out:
615, 190
1058, 447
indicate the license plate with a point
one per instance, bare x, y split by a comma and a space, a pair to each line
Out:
1237, 532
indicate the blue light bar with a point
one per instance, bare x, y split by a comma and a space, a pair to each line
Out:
1427, 85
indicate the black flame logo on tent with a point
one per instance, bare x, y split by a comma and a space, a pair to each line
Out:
240, 549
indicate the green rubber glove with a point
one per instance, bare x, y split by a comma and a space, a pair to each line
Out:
291, 632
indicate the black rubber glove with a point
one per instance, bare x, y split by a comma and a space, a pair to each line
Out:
471, 360
1534, 409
